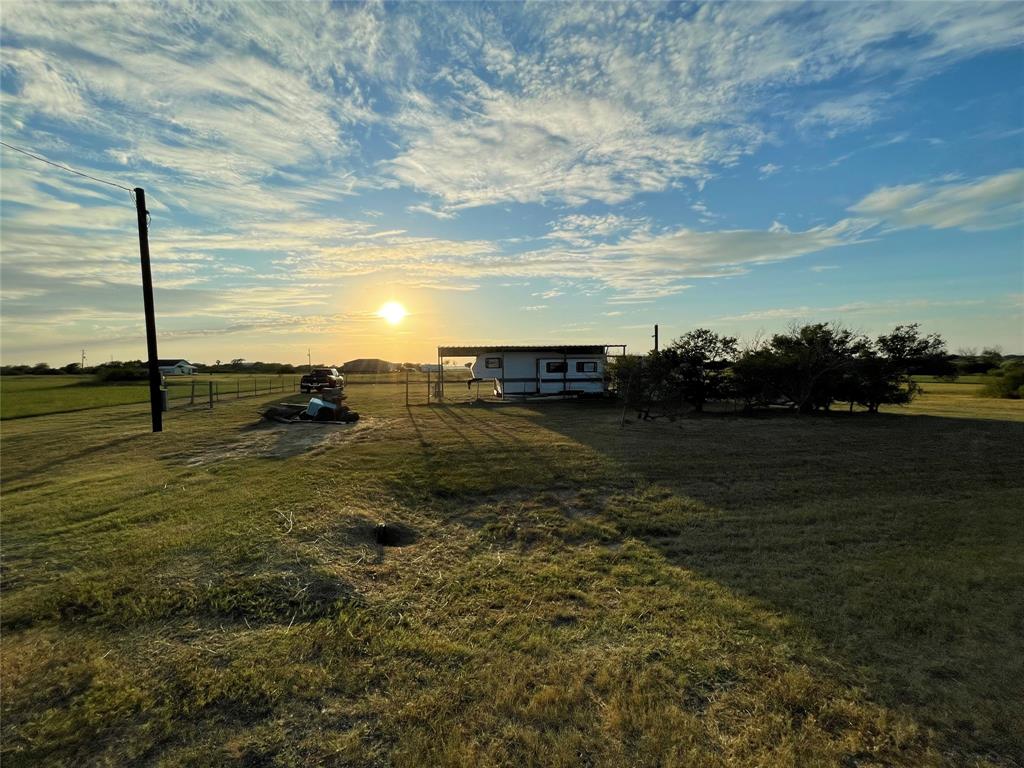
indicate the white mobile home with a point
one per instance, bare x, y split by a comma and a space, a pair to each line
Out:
538, 371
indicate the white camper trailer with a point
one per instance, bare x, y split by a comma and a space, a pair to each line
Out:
538, 371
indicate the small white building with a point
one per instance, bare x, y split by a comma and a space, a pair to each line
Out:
565, 370
176, 367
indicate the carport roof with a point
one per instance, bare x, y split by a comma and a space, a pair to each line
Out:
560, 349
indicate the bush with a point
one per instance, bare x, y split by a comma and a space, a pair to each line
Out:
629, 380
122, 373
1007, 382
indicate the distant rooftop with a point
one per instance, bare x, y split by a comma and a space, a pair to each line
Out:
560, 349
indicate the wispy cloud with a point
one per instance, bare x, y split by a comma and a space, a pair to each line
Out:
989, 203
289, 148
837, 115
851, 308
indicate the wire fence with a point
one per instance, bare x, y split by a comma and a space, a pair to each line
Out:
196, 392
414, 387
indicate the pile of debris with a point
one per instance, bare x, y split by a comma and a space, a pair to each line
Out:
327, 408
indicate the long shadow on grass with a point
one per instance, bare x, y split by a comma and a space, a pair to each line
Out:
896, 541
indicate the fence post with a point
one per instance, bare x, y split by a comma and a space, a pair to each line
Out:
406, 387
428, 386
209, 384
192, 399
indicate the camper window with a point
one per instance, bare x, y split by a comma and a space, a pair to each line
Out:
492, 362
557, 366
588, 366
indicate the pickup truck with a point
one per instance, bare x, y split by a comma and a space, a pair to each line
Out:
319, 378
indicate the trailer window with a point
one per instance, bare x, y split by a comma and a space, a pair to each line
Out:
492, 362
557, 366
586, 366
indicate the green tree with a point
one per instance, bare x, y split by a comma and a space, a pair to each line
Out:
883, 372
811, 362
698, 366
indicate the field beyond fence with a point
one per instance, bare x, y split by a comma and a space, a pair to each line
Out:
22, 396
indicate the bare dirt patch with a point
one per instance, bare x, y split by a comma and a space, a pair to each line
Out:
282, 441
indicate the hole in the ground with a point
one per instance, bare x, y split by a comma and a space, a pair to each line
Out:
394, 535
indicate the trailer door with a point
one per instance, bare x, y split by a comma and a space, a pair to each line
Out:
553, 374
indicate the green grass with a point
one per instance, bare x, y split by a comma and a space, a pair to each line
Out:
840, 589
22, 396
967, 378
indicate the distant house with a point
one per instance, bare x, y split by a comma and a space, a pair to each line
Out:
176, 367
368, 365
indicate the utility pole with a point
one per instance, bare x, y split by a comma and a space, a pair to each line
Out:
655, 338
155, 404
309, 359
82, 366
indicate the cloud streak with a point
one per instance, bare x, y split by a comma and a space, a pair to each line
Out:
992, 202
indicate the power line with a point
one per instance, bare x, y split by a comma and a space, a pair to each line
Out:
66, 168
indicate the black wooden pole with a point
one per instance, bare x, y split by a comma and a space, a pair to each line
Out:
155, 406
655, 338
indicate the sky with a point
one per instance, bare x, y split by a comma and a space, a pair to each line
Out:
517, 173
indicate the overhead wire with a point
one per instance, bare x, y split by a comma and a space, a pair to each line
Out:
68, 168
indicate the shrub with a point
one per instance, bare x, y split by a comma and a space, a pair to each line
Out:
122, 373
1006, 382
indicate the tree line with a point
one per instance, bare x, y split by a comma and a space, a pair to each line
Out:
807, 368
138, 370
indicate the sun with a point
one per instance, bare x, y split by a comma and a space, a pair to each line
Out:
393, 312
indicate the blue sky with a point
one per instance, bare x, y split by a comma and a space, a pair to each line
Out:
541, 172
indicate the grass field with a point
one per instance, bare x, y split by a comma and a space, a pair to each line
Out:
22, 396
835, 590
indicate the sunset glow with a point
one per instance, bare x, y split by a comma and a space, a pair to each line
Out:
557, 173
393, 312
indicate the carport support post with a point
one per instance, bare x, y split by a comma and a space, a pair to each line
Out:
147, 302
